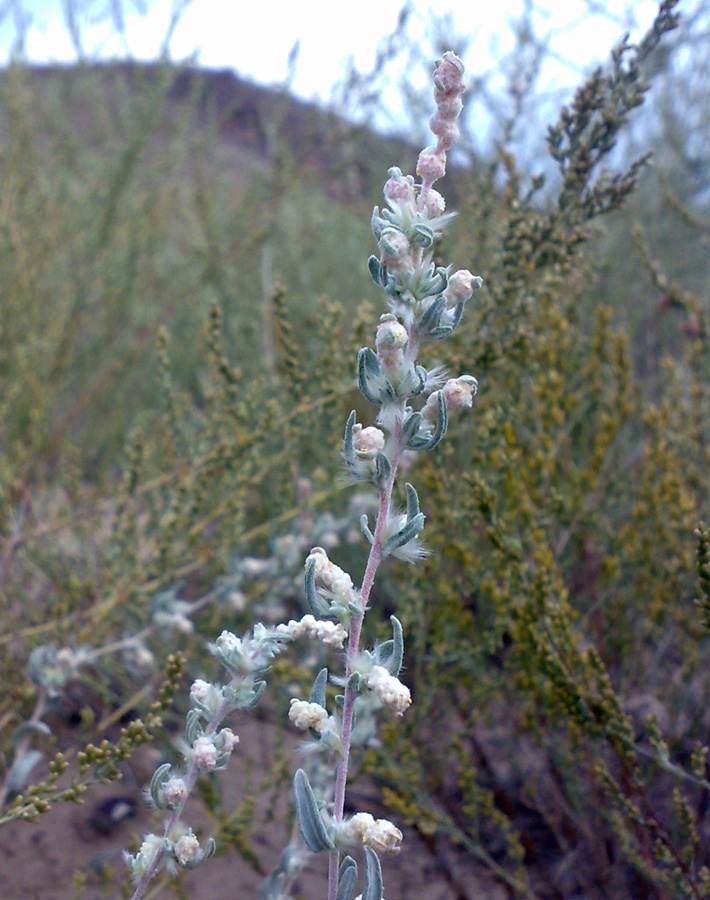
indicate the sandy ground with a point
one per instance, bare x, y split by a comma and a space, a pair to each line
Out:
39, 861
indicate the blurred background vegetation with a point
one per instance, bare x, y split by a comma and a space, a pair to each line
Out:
184, 291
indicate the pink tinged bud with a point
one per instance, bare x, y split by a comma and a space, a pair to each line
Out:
448, 75
459, 392
367, 442
391, 335
430, 410
460, 287
446, 130
200, 690
174, 792
204, 753
400, 189
395, 249
431, 165
434, 204
230, 740
449, 106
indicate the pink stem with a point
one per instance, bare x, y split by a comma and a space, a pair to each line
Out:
373, 561
190, 779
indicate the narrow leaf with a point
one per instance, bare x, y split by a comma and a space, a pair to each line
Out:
347, 880
412, 501
373, 264
318, 691
316, 603
408, 533
310, 820
373, 876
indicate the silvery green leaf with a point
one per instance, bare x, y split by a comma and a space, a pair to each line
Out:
257, 694
373, 265
387, 392
354, 609
456, 316
160, 776
383, 470
21, 770
373, 876
411, 428
39, 727
429, 319
193, 728
347, 879
365, 528
418, 443
354, 681
310, 820
368, 369
340, 700
412, 501
375, 223
348, 449
317, 604
390, 654
421, 374
405, 535
422, 235
318, 690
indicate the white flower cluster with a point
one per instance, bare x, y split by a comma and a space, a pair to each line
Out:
333, 581
379, 834
305, 715
389, 690
332, 634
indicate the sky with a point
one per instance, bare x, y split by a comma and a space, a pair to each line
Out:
254, 38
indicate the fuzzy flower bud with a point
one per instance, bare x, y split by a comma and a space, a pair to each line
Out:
399, 188
434, 204
459, 392
449, 106
446, 130
391, 335
305, 715
389, 690
174, 792
187, 850
396, 251
461, 286
200, 690
367, 442
431, 165
206, 695
229, 643
379, 834
204, 753
448, 74
227, 740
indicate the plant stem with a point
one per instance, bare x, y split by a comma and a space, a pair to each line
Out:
174, 817
373, 561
